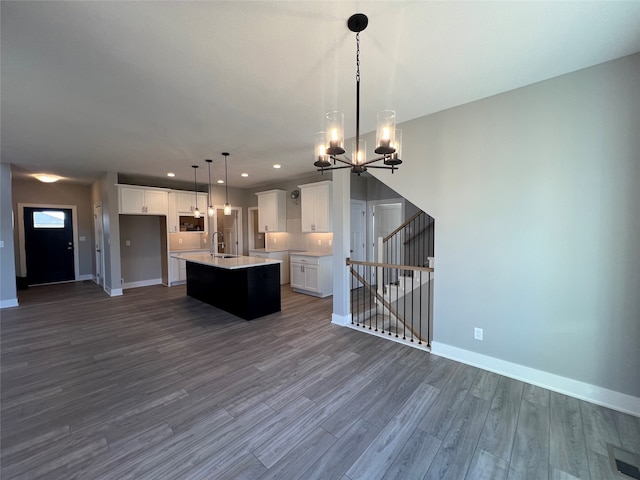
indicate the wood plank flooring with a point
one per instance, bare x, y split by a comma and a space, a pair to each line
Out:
156, 385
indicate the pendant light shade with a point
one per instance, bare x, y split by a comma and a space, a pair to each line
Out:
210, 210
227, 205
196, 212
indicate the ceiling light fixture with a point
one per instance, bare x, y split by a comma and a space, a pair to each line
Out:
196, 212
388, 139
210, 210
227, 205
46, 178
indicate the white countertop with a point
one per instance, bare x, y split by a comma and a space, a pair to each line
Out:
189, 250
313, 254
227, 263
268, 250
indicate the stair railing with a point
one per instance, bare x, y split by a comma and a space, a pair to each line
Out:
404, 310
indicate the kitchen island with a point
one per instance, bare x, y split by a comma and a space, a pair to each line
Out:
248, 287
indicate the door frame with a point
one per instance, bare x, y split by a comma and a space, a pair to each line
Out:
251, 232
21, 247
98, 241
214, 226
371, 204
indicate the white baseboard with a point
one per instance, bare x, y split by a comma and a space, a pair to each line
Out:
142, 283
12, 302
113, 292
342, 320
82, 278
567, 386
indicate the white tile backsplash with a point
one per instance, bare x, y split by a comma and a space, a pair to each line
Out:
294, 239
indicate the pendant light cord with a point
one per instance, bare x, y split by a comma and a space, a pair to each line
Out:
226, 186
195, 186
357, 96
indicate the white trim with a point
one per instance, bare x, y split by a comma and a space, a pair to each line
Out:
12, 302
556, 383
23, 254
251, 232
86, 276
342, 320
115, 292
142, 283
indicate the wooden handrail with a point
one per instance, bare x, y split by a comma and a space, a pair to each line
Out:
389, 265
415, 215
417, 234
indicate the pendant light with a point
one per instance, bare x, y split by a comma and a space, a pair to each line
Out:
196, 212
330, 143
227, 205
210, 210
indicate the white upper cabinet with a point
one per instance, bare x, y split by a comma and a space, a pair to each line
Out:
316, 201
142, 201
272, 211
181, 207
186, 202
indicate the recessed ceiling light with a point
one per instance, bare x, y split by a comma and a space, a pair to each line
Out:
277, 165
171, 174
244, 174
46, 178
220, 181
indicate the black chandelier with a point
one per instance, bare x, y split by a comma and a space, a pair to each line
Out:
330, 143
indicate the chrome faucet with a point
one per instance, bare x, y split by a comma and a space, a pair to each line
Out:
213, 244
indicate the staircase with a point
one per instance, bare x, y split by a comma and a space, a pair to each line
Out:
393, 296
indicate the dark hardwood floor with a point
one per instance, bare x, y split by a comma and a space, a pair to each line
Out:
156, 385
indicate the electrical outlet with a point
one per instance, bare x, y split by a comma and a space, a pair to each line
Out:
319, 242
127, 243
180, 241
330, 242
477, 333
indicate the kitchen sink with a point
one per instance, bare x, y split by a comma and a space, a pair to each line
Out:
224, 256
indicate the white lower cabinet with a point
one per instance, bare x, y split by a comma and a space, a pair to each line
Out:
284, 266
312, 274
178, 268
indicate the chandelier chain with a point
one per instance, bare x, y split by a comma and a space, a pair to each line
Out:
358, 57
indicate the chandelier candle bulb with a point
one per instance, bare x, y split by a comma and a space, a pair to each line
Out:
385, 132
359, 155
335, 129
394, 159
321, 151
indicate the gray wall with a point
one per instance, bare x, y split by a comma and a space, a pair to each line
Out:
536, 198
61, 193
142, 258
8, 294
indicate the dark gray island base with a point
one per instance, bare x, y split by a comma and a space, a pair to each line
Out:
248, 293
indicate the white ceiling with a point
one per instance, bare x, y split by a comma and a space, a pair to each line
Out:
149, 87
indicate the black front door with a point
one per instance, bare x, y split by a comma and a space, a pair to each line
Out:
48, 244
